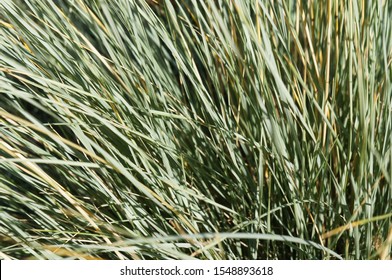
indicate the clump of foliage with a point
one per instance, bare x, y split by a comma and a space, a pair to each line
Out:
226, 129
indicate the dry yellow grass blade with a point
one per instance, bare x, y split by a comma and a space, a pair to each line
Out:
65, 252
54, 136
385, 249
353, 225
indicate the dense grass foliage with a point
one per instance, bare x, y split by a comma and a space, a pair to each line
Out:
217, 129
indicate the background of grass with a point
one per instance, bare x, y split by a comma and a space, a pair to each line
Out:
195, 129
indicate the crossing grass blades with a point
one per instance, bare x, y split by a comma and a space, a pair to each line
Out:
192, 129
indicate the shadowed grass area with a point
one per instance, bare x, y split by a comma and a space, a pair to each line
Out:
228, 129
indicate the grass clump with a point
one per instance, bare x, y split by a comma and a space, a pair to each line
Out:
195, 129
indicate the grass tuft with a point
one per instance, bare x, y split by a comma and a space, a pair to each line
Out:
195, 129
